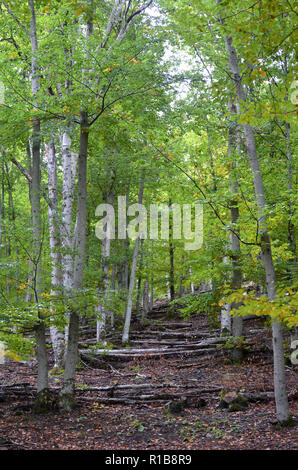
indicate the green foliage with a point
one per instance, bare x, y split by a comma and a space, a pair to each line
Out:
199, 303
232, 343
283, 308
218, 429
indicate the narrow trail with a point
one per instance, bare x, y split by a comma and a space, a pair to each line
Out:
162, 392
183, 350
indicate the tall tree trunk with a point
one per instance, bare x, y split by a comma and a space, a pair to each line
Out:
57, 336
67, 399
104, 284
125, 335
123, 273
281, 398
145, 300
69, 163
28, 293
139, 283
225, 317
42, 375
233, 146
291, 226
171, 253
181, 288
151, 297
112, 293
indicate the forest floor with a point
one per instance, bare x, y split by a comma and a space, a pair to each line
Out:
138, 418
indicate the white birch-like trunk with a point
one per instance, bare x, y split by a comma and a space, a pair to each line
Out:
225, 317
225, 320
57, 336
69, 164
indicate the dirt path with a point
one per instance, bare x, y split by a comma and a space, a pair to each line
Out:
125, 401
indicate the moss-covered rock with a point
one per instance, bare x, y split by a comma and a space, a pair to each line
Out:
200, 402
44, 402
67, 402
233, 401
177, 406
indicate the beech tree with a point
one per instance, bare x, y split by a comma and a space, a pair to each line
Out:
170, 104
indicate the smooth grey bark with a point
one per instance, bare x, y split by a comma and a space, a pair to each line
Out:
139, 283
151, 297
181, 288
69, 162
69, 168
192, 287
112, 293
291, 226
225, 317
41, 350
125, 335
103, 292
126, 328
123, 268
2, 209
233, 146
171, 253
146, 302
57, 336
281, 398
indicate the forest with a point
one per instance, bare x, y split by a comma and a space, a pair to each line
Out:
148, 178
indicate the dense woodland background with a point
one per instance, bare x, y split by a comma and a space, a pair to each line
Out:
163, 102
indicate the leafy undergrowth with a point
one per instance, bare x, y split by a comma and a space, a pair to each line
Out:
94, 425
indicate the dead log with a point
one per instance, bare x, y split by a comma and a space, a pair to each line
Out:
146, 354
259, 396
